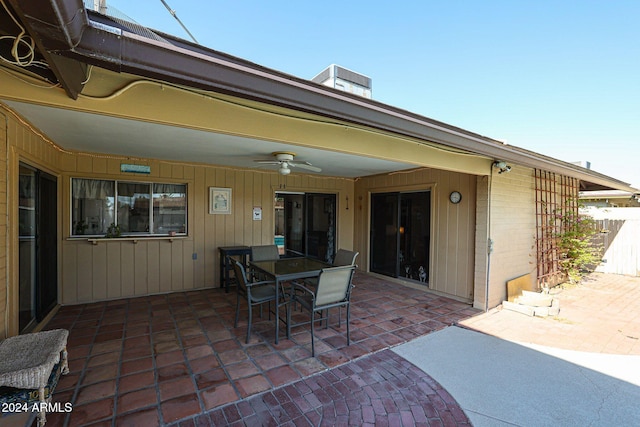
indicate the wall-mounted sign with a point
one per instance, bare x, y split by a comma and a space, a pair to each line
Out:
124, 167
257, 214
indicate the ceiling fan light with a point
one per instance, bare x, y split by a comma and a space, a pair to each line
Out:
284, 170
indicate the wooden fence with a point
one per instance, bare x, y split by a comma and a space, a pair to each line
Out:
620, 237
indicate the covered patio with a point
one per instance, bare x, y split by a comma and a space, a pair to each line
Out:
176, 358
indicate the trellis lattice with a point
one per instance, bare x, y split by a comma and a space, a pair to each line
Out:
556, 197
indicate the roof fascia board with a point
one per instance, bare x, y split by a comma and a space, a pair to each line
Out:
181, 63
70, 72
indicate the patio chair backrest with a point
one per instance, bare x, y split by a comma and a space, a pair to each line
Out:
334, 285
241, 275
345, 257
264, 253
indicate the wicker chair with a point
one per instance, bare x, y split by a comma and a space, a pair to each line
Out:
27, 361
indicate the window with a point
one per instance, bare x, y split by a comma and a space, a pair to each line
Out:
137, 208
133, 207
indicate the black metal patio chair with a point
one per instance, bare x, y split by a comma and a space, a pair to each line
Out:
255, 293
263, 253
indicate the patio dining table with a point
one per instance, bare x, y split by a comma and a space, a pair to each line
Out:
288, 270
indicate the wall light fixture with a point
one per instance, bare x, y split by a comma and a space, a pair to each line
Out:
501, 166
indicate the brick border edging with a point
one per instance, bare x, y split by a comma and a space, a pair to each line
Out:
379, 388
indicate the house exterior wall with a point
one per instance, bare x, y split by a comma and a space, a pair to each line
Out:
499, 206
453, 226
482, 255
112, 269
119, 268
512, 230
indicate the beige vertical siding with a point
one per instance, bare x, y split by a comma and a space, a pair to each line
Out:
512, 230
112, 269
453, 226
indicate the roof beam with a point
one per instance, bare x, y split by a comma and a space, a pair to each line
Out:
40, 18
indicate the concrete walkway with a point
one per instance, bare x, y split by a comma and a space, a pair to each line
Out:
502, 373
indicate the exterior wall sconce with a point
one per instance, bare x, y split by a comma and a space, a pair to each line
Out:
501, 166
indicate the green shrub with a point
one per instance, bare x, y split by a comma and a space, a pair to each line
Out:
578, 253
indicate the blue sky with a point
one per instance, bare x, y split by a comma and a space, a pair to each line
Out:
561, 78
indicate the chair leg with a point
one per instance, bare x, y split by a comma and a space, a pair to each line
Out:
237, 310
348, 316
313, 320
249, 325
288, 319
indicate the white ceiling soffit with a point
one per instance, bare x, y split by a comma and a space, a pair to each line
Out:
95, 133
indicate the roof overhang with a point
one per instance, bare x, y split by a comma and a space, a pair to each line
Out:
70, 37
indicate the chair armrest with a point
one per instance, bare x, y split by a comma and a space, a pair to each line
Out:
263, 282
297, 286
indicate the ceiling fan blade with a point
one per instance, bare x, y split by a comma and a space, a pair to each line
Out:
300, 162
268, 162
305, 165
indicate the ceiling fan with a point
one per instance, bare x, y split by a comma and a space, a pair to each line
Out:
285, 160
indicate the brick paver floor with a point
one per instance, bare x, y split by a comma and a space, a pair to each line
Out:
382, 389
601, 315
177, 360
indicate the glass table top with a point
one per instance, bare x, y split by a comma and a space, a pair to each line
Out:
291, 266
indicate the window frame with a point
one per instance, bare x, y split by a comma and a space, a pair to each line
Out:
150, 213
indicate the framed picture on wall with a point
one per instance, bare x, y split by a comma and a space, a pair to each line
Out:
219, 200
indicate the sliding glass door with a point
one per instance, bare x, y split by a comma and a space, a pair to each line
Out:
384, 234
306, 223
38, 261
400, 235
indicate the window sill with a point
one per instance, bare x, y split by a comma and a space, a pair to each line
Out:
132, 239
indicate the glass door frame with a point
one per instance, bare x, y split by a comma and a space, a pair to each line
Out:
41, 260
397, 270
307, 210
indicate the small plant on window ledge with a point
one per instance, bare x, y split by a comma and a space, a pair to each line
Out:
113, 231
80, 227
